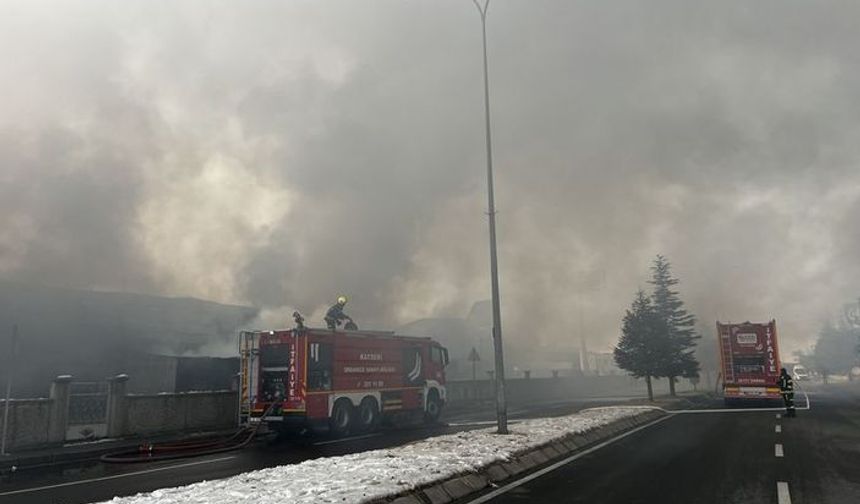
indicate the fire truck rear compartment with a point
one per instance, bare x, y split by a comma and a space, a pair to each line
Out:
274, 371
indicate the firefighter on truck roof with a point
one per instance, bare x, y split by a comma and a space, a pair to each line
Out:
335, 315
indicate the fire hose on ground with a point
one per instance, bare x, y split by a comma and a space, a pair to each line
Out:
153, 452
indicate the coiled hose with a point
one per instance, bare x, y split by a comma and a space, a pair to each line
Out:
151, 452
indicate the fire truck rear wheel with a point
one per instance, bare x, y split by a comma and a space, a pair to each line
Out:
342, 417
368, 415
434, 408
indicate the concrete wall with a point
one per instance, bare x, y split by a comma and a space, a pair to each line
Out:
521, 390
37, 423
29, 422
192, 411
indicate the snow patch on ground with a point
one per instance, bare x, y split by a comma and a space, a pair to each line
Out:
374, 474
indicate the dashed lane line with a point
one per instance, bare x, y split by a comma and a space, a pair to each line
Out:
116, 476
778, 428
777, 450
782, 494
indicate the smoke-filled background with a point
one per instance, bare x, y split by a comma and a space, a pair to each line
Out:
276, 154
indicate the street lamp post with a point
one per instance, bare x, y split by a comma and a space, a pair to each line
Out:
501, 401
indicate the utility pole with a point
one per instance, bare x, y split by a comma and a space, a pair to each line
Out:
583, 349
6, 406
501, 400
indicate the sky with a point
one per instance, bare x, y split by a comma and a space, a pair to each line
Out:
277, 154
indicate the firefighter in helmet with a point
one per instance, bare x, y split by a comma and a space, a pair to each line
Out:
335, 315
786, 387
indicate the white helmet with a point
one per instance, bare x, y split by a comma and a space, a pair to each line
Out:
341, 300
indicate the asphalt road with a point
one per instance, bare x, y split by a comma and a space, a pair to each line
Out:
94, 482
718, 457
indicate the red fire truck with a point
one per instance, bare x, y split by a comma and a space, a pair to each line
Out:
340, 381
749, 354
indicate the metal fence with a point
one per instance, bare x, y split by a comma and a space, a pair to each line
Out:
88, 403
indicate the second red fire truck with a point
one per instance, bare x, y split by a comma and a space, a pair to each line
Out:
749, 355
339, 381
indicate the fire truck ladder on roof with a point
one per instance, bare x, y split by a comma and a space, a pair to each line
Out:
249, 351
728, 362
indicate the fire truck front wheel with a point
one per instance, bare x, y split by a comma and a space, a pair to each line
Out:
368, 415
342, 417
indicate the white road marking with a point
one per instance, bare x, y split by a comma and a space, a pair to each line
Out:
778, 429
537, 474
742, 410
117, 476
723, 410
777, 450
344, 440
782, 495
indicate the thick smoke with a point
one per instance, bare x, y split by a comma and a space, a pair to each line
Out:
278, 154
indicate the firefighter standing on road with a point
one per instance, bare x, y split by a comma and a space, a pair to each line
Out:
335, 315
786, 386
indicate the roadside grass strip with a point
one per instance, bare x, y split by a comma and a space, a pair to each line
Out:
379, 474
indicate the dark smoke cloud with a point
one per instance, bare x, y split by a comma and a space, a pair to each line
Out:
278, 154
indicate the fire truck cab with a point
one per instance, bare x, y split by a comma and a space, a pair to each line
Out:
339, 381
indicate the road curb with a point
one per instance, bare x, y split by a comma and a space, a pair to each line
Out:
457, 487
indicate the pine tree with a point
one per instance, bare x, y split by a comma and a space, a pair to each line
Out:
680, 325
643, 340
